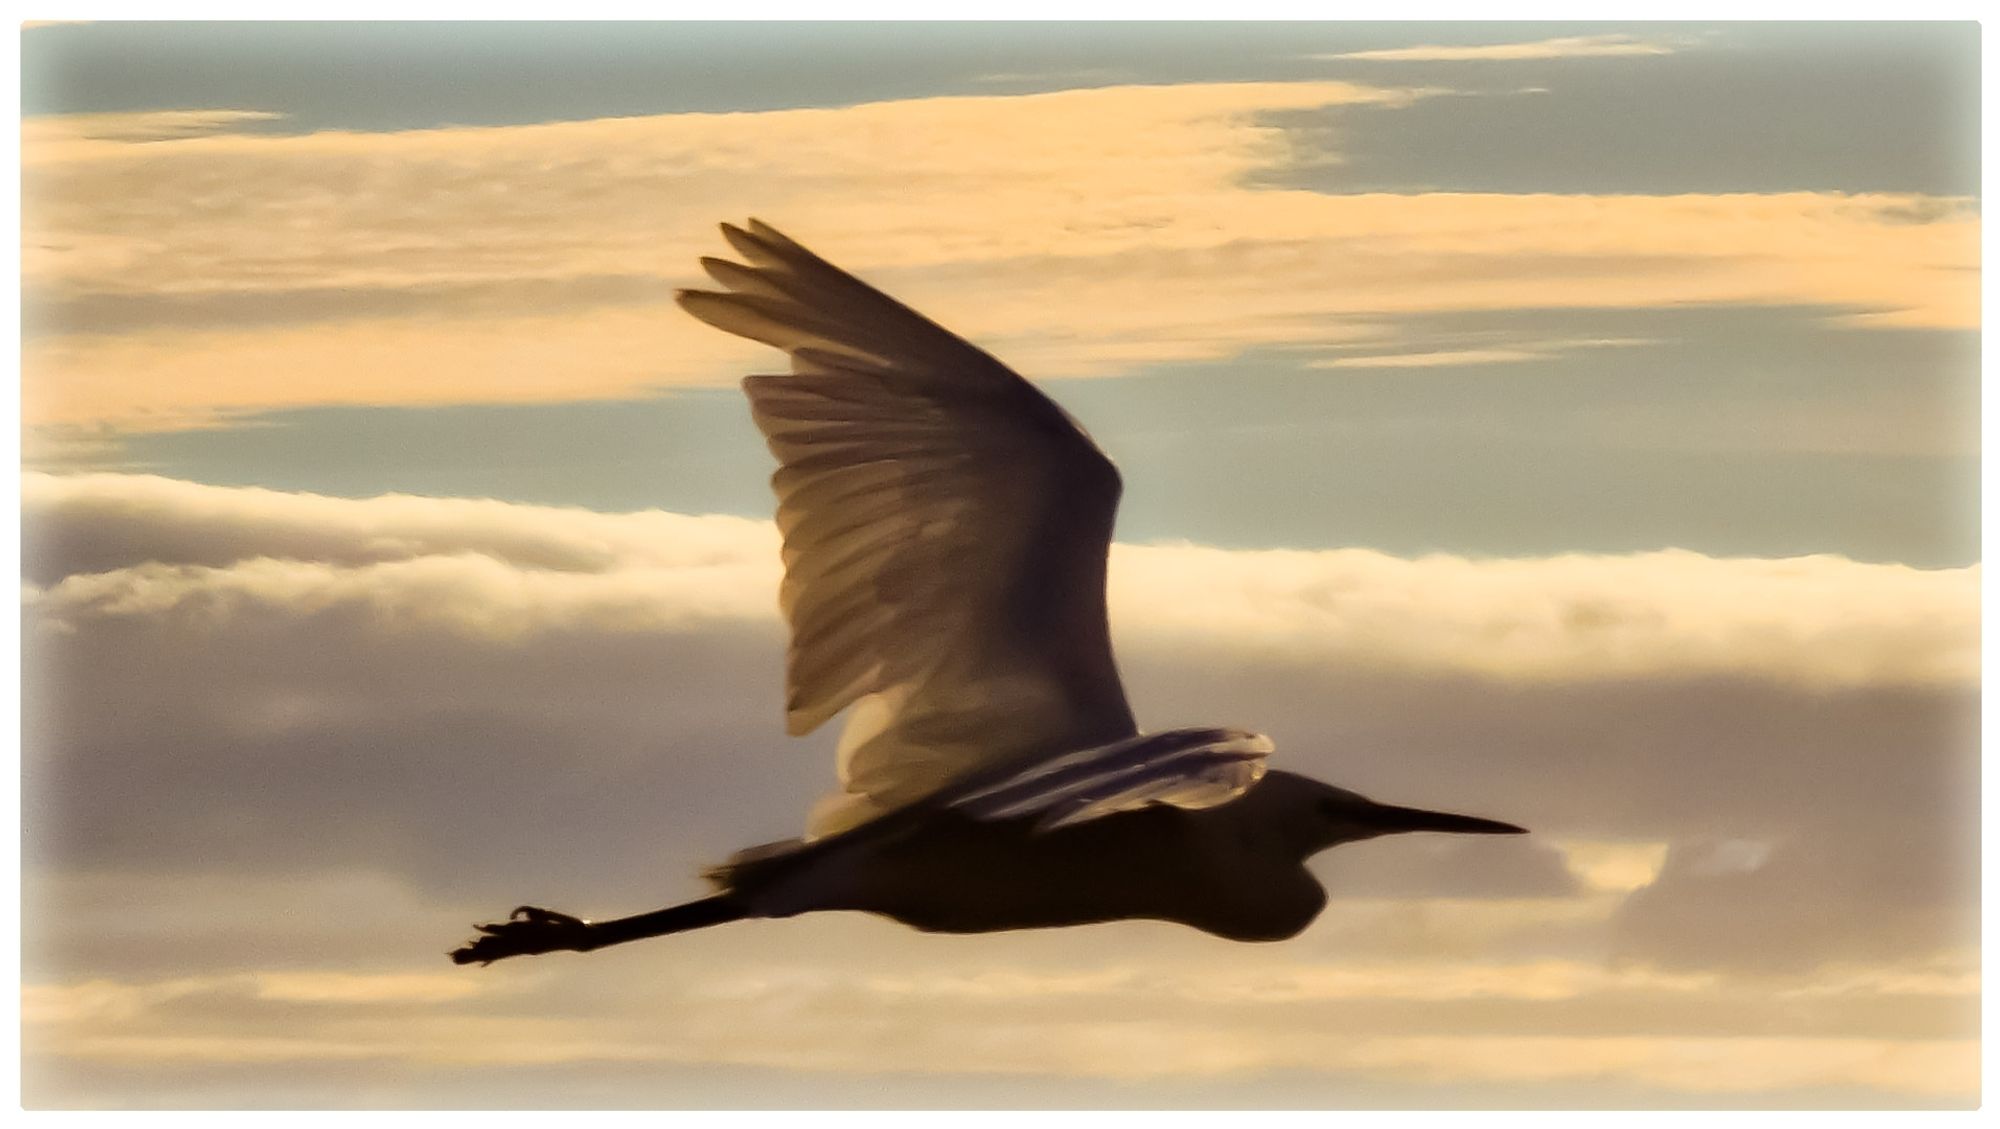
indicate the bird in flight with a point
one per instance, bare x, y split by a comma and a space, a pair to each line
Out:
946, 528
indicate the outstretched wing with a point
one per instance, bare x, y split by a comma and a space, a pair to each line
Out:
945, 532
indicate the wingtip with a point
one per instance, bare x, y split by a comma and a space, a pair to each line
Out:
703, 305
755, 235
724, 272
746, 243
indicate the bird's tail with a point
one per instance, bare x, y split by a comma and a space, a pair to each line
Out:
746, 866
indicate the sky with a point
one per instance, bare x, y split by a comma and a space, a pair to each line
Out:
1571, 424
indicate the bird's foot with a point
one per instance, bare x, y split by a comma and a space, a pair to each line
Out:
528, 931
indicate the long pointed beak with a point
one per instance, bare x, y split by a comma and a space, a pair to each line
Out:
1391, 819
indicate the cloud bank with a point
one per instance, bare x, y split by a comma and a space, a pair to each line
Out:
116, 545
280, 749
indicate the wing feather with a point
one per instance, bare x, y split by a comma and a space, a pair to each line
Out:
1186, 768
945, 530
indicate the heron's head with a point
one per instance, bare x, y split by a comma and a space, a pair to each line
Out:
1326, 816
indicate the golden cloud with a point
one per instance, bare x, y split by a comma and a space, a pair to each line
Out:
1136, 1021
1619, 867
1133, 1002
365, 987
1079, 232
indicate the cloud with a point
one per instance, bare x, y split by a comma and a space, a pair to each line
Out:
1155, 1021
1713, 1067
55, 134
454, 205
1622, 867
1429, 360
1720, 900
1817, 621
103, 522
111, 1000
279, 750
1564, 47
321, 987
236, 646
1512, 354
155, 547
172, 283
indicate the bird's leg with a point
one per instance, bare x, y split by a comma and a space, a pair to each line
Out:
531, 930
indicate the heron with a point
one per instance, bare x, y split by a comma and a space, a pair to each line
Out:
946, 529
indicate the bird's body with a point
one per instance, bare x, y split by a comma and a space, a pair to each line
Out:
945, 529
1202, 869
1223, 870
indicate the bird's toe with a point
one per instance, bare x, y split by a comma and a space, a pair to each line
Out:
528, 931
537, 916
